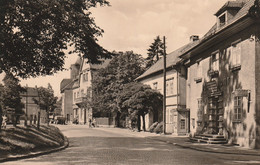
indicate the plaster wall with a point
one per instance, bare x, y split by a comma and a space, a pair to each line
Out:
242, 133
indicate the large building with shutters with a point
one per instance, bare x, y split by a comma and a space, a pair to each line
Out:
223, 81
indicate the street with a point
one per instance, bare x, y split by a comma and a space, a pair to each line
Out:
119, 146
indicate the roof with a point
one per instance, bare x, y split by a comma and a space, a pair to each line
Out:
78, 61
66, 84
172, 59
30, 92
75, 84
214, 30
103, 64
230, 4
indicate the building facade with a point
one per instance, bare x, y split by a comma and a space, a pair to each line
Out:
177, 116
66, 87
221, 79
30, 108
82, 91
77, 91
222, 76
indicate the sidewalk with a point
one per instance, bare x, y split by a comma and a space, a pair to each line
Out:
183, 141
214, 148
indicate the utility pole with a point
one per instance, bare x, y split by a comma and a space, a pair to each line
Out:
164, 86
39, 112
26, 107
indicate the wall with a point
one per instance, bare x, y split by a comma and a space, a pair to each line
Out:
177, 99
257, 95
68, 97
228, 81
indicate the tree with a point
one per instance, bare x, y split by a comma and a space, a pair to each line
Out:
155, 52
108, 82
142, 100
34, 35
11, 99
1, 103
46, 100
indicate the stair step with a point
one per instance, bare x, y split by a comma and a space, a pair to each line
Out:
217, 142
216, 139
212, 136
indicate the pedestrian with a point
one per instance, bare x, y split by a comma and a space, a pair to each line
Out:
94, 122
90, 123
4, 121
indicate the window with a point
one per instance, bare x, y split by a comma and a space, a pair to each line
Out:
193, 122
199, 70
85, 76
75, 96
155, 85
222, 19
82, 92
215, 61
182, 123
169, 87
198, 77
89, 92
200, 109
236, 54
238, 107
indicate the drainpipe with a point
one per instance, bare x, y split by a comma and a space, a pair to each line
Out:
164, 86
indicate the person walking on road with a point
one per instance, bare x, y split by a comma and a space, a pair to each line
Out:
90, 123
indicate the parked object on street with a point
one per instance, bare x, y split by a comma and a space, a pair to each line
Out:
59, 120
75, 121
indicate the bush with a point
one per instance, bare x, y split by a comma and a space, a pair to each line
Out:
159, 128
75, 121
152, 127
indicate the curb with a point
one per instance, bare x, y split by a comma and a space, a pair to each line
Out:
35, 154
206, 150
213, 151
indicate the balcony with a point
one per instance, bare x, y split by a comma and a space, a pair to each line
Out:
80, 100
213, 73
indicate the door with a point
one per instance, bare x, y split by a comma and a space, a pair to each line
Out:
85, 116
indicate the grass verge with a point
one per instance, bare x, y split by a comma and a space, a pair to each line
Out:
25, 140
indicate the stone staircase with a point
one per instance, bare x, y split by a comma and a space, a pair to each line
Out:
209, 139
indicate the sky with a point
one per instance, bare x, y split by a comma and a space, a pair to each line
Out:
134, 24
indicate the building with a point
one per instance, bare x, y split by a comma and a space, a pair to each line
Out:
76, 91
177, 115
66, 89
30, 108
82, 91
221, 76
223, 86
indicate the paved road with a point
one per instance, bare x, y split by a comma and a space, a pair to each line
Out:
115, 146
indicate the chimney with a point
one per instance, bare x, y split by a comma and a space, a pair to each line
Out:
194, 38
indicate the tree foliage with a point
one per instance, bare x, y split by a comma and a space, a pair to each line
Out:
34, 34
141, 99
155, 52
10, 96
1, 99
108, 82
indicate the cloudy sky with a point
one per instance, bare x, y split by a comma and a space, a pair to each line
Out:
133, 25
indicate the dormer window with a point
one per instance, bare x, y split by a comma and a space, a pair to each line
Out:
227, 12
222, 19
